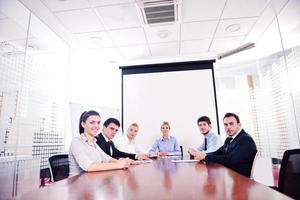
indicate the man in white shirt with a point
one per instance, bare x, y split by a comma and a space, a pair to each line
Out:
212, 141
127, 142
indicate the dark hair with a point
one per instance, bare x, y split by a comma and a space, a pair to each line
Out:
232, 115
83, 118
111, 120
204, 119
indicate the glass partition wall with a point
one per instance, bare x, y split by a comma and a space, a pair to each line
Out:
33, 98
265, 89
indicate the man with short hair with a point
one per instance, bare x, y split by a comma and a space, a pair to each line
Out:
104, 140
212, 141
238, 151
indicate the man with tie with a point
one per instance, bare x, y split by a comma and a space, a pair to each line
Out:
104, 141
239, 148
212, 141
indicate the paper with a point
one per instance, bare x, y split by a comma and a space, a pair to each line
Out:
142, 161
185, 161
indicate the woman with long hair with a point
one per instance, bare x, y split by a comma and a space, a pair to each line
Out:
85, 155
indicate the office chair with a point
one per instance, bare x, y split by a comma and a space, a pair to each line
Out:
262, 170
289, 174
181, 149
254, 165
59, 166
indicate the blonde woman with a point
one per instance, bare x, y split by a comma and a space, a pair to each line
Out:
166, 145
127, 142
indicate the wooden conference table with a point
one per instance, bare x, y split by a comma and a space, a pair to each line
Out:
161, 179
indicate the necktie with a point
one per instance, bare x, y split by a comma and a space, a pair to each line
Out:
227, 143
109, 144
205, 144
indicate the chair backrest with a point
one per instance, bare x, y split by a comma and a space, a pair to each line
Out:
181, 149
289, 175
253, 165
262, 170
59, 166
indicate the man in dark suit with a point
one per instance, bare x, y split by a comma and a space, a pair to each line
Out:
104, 140
239, 149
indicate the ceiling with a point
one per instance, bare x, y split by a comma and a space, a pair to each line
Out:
113, 29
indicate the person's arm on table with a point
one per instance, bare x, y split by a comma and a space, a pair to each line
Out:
114, 164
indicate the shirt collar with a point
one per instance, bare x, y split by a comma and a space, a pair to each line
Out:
84, 138
167, 138
129, 141
234, 136
106, 139
208, 135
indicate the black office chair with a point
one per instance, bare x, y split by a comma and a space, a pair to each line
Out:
181, 149
289, 175
59, 166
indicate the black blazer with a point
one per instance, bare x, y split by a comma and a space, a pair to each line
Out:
116, 153
239, 155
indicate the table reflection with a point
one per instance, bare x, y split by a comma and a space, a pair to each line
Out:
91, 186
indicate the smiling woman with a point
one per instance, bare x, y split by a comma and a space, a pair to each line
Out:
85, 155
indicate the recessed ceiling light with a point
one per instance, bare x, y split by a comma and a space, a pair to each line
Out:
163, 33
95, 39
233, 28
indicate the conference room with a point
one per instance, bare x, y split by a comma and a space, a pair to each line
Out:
144, 62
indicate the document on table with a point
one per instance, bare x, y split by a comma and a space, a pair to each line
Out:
185, 161
142, 161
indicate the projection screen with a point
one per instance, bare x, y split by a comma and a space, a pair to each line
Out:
175, 92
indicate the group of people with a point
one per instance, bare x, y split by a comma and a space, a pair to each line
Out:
94, 151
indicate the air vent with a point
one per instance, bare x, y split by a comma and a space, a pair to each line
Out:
156, 12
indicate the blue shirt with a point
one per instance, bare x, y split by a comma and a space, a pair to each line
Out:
214, 142
170, 145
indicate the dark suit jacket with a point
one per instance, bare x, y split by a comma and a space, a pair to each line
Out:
116, 153
239, 156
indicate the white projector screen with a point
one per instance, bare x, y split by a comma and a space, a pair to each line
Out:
175, 92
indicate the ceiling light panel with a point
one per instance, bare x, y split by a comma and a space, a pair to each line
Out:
126, 37
198, 30
194, 46
60, 5
164, 49
119, 16
135, 52
219, 45
80, 21
195, 10
243, 8
105, 54
109, 2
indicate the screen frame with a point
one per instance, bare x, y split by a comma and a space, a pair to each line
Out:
169, 67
